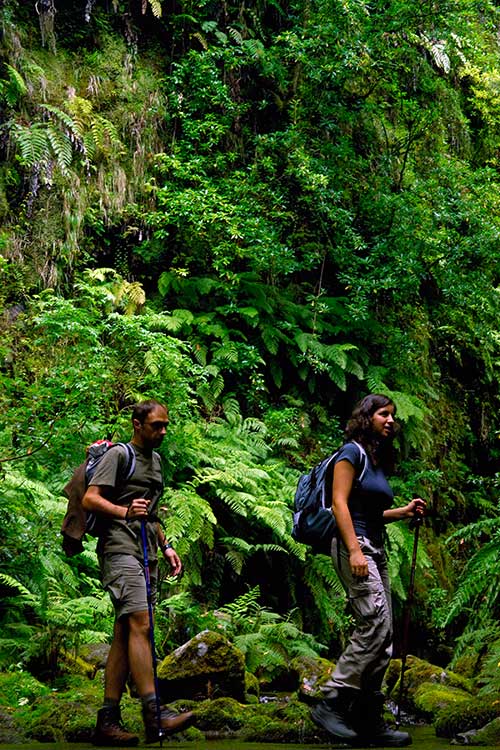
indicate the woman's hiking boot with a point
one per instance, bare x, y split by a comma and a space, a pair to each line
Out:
333, 714
372, 728
170, 721
109, 730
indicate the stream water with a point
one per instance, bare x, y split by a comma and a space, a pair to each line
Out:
423, 739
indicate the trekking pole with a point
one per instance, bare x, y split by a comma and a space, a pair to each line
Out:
416, 523
151, 627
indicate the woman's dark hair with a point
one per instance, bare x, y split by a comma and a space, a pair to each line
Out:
359, 428
141, 410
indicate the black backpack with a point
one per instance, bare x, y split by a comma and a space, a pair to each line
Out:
313, 521
77, 521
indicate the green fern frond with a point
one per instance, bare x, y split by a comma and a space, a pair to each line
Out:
17, 588
271, 338
227, 353
270, 548
275, 515
235, 559
65, 119
337, 376
254, 47
243, 604
14, 87
103, 130
156, 7
210, 392
232, 410
235, 35
251, 424
32, 142
61, 146
236, 501
475, 532
188, 518
478, 587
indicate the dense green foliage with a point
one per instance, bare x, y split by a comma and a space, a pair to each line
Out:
256, 212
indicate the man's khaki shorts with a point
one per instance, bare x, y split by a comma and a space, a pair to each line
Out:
124, 579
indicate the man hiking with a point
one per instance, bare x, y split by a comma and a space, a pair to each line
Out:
125, 507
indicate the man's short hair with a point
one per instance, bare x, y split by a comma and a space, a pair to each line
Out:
141, 410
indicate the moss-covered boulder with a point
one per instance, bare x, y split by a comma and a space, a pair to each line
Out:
285, 721
309, 675
207, 666
95, 654
280, 721
252, 687
469, 663
222, 717
468, 717
488, 735
430, 700
442, 686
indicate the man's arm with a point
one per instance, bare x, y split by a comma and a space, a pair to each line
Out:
95, 500
169, 553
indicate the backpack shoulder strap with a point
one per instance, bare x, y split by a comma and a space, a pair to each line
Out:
130, 462
364, 460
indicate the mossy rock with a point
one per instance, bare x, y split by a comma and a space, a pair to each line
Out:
252, 686
283, 722
221, 716
473, 714
392, 676
207, 666
310, 674
419, 672
11, 731
95, 654
430, 699
469, 664
490, 734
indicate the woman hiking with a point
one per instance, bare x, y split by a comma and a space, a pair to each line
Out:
352, 709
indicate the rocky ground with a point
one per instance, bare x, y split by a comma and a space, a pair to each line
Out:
207, 675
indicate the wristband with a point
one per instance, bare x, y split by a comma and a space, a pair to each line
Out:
166, 546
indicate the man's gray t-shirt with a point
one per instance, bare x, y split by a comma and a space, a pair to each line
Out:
120, 536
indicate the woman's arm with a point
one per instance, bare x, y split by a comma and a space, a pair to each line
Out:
415, 507
343, 479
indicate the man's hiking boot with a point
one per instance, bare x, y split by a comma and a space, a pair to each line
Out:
333, 714
170, 721
109, 730
373, 730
